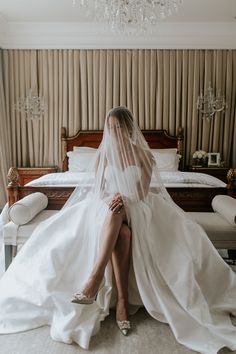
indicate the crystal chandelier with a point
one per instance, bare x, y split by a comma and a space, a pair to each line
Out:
208, 105
129, 15
33, 106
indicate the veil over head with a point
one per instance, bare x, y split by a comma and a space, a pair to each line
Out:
123, 164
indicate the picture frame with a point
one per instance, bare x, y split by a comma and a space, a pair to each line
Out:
213, 159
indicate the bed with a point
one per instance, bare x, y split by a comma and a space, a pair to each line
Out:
190, 190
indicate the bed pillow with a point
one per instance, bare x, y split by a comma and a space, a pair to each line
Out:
82, 157
226, 207
81, 161
167, 161
84, 149
170, 150
27, 208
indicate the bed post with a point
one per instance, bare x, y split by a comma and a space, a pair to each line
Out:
180, 148
13, 195
231, 185
12, 188
64, 159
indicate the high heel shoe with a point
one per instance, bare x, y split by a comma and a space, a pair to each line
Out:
124, 326
80, 298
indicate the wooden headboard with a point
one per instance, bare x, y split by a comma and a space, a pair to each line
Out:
157, 139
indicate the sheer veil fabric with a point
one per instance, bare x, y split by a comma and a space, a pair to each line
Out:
123, 150
176, 272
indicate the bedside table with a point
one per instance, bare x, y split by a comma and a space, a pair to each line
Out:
219, 172
28, 174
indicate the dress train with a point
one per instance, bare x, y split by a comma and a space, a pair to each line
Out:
176, 273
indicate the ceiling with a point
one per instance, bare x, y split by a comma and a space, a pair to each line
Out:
62, 11
39, 23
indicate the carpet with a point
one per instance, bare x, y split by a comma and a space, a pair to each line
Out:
147, 336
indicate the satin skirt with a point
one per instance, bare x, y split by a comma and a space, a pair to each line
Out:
176, 273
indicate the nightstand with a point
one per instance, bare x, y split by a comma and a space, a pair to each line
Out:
219, 172
27, 174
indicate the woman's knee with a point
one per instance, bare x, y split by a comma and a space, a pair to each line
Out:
112, 216
124, 235
125, 230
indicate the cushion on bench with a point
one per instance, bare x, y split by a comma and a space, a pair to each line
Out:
219, 230
18, 234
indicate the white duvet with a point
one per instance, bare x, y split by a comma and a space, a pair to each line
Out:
170, 179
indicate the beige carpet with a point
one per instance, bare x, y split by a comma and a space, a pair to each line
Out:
148, 337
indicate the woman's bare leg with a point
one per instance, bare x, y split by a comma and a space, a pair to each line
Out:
121, 264
110, 233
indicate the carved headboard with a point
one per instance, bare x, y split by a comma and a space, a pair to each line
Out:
157, 139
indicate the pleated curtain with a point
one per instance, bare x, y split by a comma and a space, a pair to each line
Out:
159, 86
5, 146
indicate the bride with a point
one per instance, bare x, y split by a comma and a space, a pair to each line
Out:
125, 228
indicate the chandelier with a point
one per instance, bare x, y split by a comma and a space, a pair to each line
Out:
209, 104
33, 106
129, 15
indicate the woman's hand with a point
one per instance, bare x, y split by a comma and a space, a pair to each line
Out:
116, 204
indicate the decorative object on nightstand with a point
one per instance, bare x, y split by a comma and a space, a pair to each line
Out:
199, 158
213, 159
231, 177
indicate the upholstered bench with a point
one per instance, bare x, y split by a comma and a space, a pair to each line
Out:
220, 225
20, 221
221, 233
16, 235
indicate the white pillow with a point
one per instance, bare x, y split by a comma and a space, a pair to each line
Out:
167, 161
82, 156
27, 208
80, 161
84, 149
170, 150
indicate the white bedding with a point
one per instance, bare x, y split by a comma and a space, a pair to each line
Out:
170, 179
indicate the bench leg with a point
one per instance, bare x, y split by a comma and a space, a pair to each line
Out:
8, 256
14, 251
10, 253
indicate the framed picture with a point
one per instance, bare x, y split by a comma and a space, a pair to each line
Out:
213, 159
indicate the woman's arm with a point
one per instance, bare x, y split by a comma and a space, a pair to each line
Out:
147, 162
103, 193
99, 175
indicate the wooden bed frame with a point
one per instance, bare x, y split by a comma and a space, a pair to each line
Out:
189, 199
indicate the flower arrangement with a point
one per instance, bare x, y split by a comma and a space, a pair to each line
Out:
200, 158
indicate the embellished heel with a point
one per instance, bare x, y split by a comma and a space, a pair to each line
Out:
124, 326
80, 298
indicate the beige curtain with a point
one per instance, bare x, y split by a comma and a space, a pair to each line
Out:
5, 156
160, 87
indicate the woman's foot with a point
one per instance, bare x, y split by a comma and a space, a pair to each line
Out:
91, 286
122, 316
89, 293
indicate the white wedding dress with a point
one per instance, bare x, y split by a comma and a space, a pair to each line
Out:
176, 274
